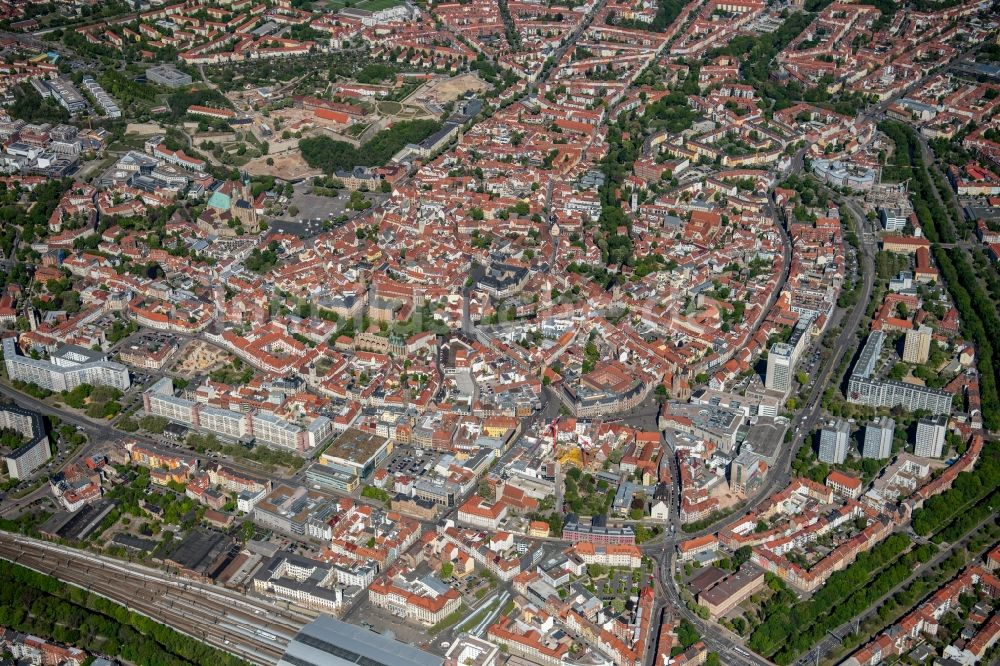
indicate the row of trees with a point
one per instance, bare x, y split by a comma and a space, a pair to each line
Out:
42, 605
988, 272
760, 51
979, 322
908, 164
325, 153
793, 628
968, 519
967, 490
978, 312
265, 455
616, 247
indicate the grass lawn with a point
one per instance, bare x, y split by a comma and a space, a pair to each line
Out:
449, 621
389, 108
375, 5
356, 130
480, 616
129, 142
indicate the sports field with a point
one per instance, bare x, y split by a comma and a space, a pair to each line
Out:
375, 5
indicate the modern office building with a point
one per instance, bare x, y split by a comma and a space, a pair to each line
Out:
168, 75
893, 219
294, 510
930, 437
23, 461
468, 649
597, 532
357, 453
325, 476
746, 474
780, 361
732, 590
834, 440
845, 174
865, 389
878, 438
917, 345
716, 423
64, 92
66, 368
868, 359
329, 642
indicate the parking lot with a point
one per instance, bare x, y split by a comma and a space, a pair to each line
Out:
473, 587
384, 621
408, 462
314, 211
296, 546
296, 228
618, 584
314, 206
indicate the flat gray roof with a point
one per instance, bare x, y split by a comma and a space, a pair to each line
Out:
329, 642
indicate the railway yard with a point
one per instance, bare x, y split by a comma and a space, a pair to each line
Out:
247, 627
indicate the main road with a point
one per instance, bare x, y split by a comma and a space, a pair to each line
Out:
718, 639
96, 433
99, 434
808, 418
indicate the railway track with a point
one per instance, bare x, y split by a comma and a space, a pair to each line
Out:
256, 632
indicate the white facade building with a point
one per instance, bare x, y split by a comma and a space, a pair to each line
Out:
68, 368
834, 441
878, 438
931, 436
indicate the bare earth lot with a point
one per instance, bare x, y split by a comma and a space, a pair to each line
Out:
443, 90
289, 166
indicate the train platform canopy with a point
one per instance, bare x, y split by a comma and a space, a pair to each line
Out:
329, 642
